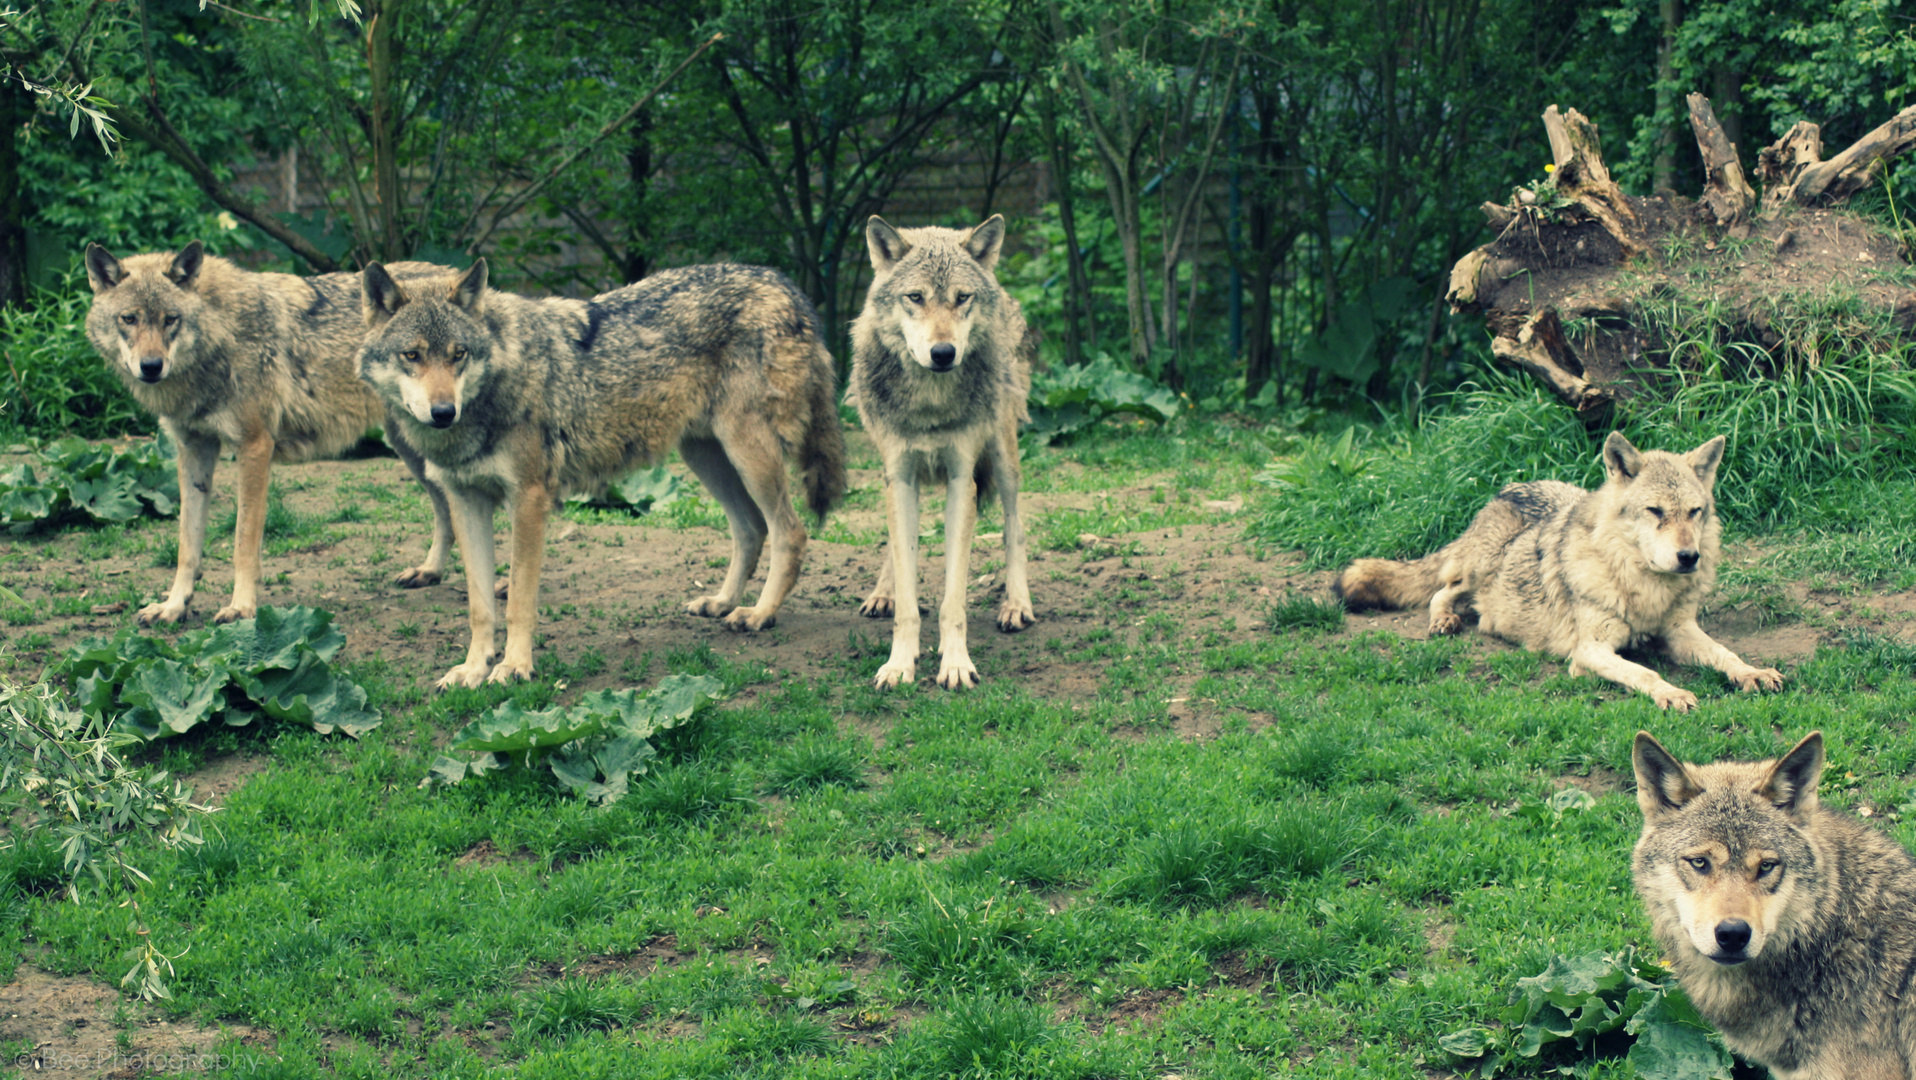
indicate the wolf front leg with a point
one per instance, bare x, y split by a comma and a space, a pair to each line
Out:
533, 501
249, 532
433, 570
955, 669
901, 485
1688, 644
1601, 658
198, 453
472, 527
1016, 614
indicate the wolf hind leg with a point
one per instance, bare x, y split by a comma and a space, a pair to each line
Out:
1015, 613
709, 462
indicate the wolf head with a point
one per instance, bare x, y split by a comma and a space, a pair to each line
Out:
1663, 501
424, 344
935, 281
145, 309
1725, 853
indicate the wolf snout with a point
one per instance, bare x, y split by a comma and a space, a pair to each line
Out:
151, 368
1686, 560
443, 414
1732, 937
944, 356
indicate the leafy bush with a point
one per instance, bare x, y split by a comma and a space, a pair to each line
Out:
1067, 399
1591, 1007
83, 480
276, 664
594, 748
67, 785
55, 382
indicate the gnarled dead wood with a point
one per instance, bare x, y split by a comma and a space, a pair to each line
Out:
1463, 279
1795, 175
1725, 191
1540, 349
1582, 177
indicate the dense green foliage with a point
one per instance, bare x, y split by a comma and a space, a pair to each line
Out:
73, 478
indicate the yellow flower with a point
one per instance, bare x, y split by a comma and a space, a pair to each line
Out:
227, 220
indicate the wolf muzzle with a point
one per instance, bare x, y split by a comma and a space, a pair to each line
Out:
1686, 560
944, 356
1732, 937
443, 414
151, 368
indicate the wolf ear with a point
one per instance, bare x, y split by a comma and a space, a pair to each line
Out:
884, 243
186, 265
379, 295
984, 241
1663, 784
1791, 785
1704, 460
1621, 461
103, 271
469, 289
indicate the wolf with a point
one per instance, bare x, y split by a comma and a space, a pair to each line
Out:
1581, 574
262, 363
940, 374
1791, 927
520, 401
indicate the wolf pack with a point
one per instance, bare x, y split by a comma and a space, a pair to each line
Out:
1792, 927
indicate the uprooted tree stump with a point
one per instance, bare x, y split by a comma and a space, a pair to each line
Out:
1583, 283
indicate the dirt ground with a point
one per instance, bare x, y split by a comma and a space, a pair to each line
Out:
617, 590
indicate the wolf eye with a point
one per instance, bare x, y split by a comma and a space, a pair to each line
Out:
458, 352
169, 320
1655, 512
1696, 512
130, 320
961, 298
915, 297
410, 356
1766, 867
1700, 864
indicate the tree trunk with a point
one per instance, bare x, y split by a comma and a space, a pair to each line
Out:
1725, 192
1663, 169
382, 17
1077, 298
16, 108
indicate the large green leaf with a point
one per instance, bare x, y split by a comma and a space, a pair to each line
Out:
179, 697
511, 728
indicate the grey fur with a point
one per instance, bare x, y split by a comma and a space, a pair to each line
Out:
1581, 574
1792, 927
940, 374
541, 398
259, 363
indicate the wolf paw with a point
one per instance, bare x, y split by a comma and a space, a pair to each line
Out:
895, 674
417, 577
878, 607
1445, 624
500, 590
957, 673
468, 674
234, 613
507, 671
166, 611
1013, 617
710, 607
747, 620
1671, 697
1758, 679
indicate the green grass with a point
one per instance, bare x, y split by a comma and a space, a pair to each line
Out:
817, 880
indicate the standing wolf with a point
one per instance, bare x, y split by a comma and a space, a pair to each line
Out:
1791, 927
262, 363
524, 401
1580, 573
940, 376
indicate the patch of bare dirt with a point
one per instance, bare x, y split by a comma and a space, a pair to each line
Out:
63, 1025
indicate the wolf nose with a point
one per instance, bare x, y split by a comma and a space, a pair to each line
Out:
943, 356
443, 414
1732, 935
151, 368
1686, 560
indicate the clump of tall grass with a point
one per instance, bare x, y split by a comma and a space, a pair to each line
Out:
1811, 426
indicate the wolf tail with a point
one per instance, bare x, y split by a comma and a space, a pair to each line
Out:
821, 456
1382, 583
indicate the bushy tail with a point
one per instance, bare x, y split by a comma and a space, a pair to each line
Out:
821, 457
1382, 583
